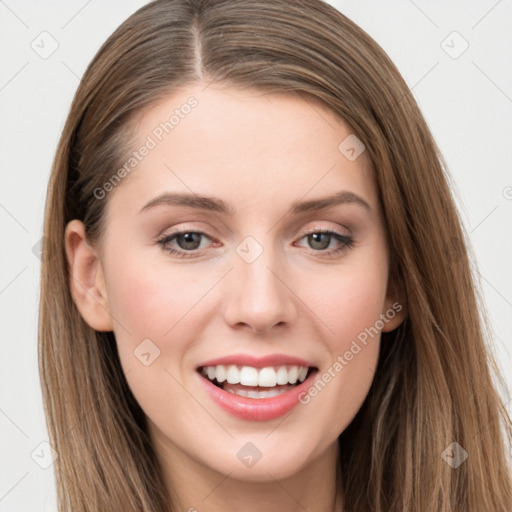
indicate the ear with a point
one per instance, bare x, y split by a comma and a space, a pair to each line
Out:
87, 283
395, 309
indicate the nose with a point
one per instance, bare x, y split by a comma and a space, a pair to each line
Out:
259, 294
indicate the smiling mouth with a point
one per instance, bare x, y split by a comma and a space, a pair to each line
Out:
257, 383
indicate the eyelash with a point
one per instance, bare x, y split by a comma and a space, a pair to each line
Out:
346, 241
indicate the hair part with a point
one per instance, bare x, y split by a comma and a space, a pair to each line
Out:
433, 384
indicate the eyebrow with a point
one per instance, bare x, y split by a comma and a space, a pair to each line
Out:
219, 206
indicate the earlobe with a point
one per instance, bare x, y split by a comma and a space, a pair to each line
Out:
86, 281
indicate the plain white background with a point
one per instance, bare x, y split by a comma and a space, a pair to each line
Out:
466, 97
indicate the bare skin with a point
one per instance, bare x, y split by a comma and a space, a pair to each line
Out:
259, 154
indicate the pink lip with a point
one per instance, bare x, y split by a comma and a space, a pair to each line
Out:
252, 409
258, 362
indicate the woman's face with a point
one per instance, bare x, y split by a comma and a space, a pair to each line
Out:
244, 279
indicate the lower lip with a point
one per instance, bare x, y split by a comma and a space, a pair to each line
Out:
256, 409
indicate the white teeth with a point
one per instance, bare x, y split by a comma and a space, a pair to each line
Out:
211, 372
233, 375
248, 376
220, 373
293, 374
268, 377
282, 375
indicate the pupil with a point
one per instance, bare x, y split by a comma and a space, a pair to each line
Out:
191, 240
315, 240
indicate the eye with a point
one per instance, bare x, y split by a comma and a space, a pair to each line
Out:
185, 242
322, 240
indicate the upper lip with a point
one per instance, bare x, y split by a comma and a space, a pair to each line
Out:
258, 362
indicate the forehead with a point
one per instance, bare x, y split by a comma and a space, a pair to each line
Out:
243, 145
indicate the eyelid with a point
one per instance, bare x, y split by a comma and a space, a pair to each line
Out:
317, 229
166, 237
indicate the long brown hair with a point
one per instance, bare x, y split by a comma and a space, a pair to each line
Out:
434, 381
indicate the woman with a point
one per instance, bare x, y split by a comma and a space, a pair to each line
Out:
257, 293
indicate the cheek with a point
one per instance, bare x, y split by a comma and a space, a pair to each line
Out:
349, 308
158, 310
348, 304
149, 303
149, 299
